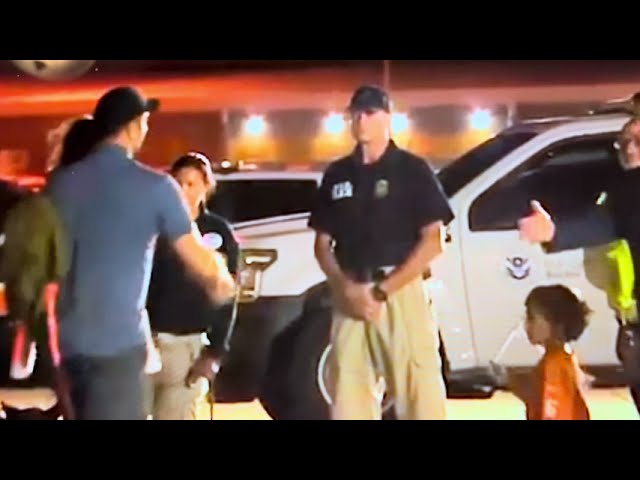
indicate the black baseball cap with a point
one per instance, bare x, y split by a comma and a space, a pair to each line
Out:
121, 105
369, 98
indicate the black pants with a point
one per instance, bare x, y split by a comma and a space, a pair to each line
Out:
628, 351
43, 375
108, 388
43, 370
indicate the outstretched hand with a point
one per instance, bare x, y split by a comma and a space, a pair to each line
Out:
538, 227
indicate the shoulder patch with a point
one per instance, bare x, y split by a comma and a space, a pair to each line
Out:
342, 190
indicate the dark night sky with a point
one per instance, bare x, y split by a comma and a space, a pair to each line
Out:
434, 72
404, 73
200, 66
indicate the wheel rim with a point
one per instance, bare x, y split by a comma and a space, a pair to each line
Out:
323, 375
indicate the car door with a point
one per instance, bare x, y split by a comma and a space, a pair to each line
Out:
501, 269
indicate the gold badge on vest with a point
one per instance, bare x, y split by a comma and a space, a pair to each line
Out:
382, 188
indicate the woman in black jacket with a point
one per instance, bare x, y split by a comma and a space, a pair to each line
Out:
180, 312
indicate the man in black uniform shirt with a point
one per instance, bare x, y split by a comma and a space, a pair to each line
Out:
379, 221
179, 309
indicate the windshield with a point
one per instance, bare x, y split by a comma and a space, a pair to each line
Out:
245, 200
455, 176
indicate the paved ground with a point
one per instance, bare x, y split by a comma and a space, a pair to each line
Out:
604, 405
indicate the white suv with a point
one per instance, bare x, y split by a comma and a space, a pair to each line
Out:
478, 285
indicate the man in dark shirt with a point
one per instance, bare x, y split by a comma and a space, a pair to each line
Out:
379, 220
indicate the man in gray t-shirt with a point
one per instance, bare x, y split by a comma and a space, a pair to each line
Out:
113, 209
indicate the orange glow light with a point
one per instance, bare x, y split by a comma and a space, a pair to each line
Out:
255, 126
334, 124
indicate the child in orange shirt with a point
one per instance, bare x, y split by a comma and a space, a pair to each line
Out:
555, 390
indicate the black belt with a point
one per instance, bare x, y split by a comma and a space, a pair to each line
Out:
378, 275
375, 275
181, 333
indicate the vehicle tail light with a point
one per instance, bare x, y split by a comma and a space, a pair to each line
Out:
253, 263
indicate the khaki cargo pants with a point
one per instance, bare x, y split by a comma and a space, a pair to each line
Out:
403, 348
168, 396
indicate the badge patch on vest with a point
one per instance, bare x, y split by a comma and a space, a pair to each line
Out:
212, 240
382, 188
342, 190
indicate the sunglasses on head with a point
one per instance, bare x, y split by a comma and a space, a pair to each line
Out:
199, 157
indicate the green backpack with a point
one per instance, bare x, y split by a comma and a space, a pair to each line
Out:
36, 253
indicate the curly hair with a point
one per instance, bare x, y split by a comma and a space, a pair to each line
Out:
562, 308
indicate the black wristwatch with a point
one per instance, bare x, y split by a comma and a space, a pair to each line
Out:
379, 294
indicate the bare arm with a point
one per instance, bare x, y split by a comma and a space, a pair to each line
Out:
352, 298
430, 212
429, 247
327, 260
593, 227
207, 266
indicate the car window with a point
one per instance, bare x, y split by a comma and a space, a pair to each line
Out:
245, 200
566, 178
461, 172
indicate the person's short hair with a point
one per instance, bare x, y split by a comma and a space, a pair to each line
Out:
624, 138
562, 308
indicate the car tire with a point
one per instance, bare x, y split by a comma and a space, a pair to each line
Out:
293, 388
290, 391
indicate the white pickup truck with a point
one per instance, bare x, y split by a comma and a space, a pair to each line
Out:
478, 285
